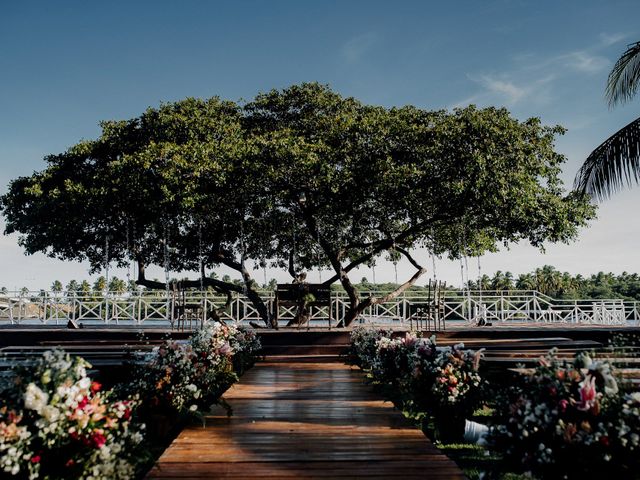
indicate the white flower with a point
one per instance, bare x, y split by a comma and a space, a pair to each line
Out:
136, 437
84, 383
193, 408
34, 398
635, 397
80, 371
50, 413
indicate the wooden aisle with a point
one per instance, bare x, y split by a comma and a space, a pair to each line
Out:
304, 420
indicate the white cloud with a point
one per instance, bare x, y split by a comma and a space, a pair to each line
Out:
353, 50
529, 80
506, 90
585, 62
608, 39
509, 91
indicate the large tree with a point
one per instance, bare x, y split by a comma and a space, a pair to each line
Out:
297, 178
166, 188
616, 162
354, 182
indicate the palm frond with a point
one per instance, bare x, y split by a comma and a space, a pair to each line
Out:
624, 79
613, 165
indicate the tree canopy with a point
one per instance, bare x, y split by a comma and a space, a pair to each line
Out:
357, 180
296, 178
166, 188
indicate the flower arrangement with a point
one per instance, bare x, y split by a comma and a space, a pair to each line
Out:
246, 347
189, 377
446, 378
569, 420
363, 346
427, 380
391, 362
57, 423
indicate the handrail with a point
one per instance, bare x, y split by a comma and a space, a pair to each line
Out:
145, 307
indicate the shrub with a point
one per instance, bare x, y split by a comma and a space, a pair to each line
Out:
363, 346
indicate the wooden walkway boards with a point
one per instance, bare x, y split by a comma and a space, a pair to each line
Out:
304, 420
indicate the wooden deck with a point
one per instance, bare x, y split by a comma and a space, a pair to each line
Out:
304, 420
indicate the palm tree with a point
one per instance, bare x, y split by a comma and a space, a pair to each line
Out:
56, 287
616, 163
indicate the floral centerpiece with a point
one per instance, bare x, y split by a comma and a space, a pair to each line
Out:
446, 383
56, 423
246, 347
569, 420
364, 345
426, 380
189, 377
391, 364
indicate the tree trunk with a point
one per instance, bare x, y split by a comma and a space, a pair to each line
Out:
260, 306
302, 315
367, 302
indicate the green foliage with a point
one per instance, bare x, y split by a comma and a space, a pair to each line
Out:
364, 181
616, 162
298, 178
100, 285
563, 285
624, 79
73, 286
56, 286
85, 288
161, 176
117, 285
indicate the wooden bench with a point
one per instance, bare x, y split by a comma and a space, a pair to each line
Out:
297, 294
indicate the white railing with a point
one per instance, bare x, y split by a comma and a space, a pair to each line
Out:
156, 308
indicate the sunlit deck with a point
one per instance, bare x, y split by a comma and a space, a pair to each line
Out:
304, 420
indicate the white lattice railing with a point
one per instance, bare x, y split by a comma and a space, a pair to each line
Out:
156, 308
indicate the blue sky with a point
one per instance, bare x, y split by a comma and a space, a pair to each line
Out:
67, 65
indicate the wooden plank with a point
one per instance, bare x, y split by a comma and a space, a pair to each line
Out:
304, 420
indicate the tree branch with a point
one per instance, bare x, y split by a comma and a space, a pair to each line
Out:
409, 257
390, 296
218, 285
381, 245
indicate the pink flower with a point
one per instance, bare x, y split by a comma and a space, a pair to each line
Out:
477, 356
226, 350
98, 439
83, 403
563, 405
410, 341
587, 394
